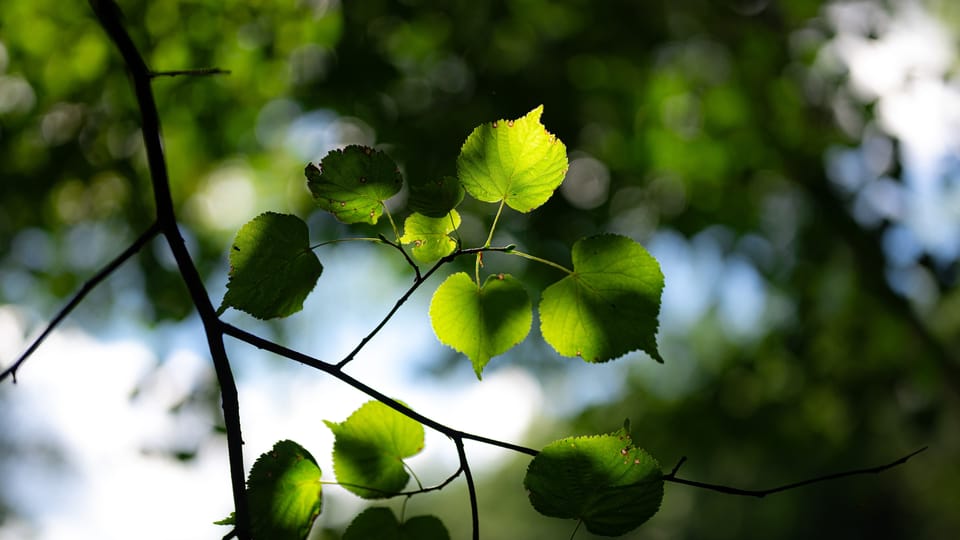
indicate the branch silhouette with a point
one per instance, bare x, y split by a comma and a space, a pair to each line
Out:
111, 19
760, 493
78, 297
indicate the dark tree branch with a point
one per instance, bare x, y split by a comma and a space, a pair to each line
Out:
760, 493
110, 17
471, 488
78, 297
334, 371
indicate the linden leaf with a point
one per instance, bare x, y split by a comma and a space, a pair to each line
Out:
609, 305
272, 269
353, 183
380, 523
605, 481
369, 448
430, 236
435, 198
516, 161
481, 322
284, 491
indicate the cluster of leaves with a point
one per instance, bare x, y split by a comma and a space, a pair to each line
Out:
602, 481
604, 307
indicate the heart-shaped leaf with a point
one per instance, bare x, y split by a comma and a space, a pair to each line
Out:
609, 305
481, 322
272, 269
604, 480
353, 183
284, 491
516, 161
429, 236
369, 448
380, 524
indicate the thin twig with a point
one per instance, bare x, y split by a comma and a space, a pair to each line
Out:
416, 285
78, 297
191, 72
391, 494
760, 493
677, 466
399, 247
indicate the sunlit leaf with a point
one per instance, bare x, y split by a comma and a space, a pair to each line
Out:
429, 236
609, 305
381, 524
604, 480
353, 183
481, 322
284, 491
518, 161
435, 198
272, 269
369, 449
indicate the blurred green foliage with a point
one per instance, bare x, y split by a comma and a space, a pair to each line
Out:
711, 122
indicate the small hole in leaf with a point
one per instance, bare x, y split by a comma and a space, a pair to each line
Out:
363, 179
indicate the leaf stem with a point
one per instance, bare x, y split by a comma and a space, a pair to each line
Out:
396, 231
340, 240
493, 227
539, 260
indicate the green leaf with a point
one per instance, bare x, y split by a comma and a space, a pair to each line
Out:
353, 183
603, 480
481, 322
609, 305
381, 524
517, 161
272, 269
435, 198
369, 448
430, 236
284, 491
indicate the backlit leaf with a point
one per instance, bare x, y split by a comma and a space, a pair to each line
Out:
609, 305
353, 183
284, 491
272, 269
430, 237
381, 524
481, 322
518, 161
369, 449
604, 480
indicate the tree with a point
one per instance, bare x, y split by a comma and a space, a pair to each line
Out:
729, 144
